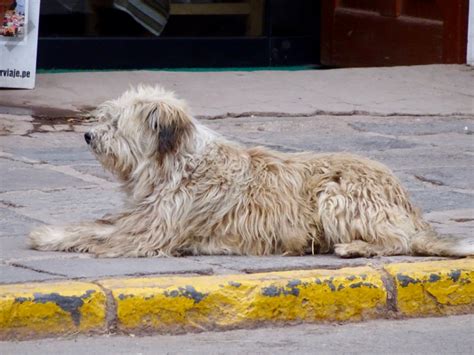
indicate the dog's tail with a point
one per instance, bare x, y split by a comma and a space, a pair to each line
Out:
428, 242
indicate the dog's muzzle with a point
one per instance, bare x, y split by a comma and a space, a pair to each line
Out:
88, 137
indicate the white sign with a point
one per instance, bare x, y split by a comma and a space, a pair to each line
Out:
19, 22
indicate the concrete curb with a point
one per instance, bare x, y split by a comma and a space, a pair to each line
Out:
177, 304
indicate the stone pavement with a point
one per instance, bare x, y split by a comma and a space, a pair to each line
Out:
417, 120
447, 335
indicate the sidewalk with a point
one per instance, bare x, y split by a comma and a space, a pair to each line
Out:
417, 120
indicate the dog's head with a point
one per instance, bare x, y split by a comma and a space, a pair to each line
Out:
144, 124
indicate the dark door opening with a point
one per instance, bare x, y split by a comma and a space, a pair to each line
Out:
98, 34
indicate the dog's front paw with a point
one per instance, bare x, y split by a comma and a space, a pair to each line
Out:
355, 249
114, 249
46, 238
342, 251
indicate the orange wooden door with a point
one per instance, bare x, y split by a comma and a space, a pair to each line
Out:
359, 33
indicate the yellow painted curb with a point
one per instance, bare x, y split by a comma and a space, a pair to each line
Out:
206, 302
179, 303
433, 288
50, 308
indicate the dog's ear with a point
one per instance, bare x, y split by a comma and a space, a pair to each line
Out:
153, 117
173, 126
168, 137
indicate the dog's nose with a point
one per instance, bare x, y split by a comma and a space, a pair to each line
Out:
88, 137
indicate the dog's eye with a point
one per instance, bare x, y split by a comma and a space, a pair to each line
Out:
102, 118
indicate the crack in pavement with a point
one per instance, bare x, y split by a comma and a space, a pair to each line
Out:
10, 204
430, 181
253, 142
64, 169
462, 220
35, 270
50, 190
24, 160
331, 113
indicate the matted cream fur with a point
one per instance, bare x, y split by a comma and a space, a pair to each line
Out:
191, 191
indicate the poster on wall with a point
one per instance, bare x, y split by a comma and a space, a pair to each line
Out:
19, 21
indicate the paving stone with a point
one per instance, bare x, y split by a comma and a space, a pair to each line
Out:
92, 267
13, 274
17, 176
457, 222
14, 124
15, 144
424, 157
409, 181
458, 141
318, 144
461, 177
12, 224
401, 126
318, 134
57, 155
94, 169
349, 143
15, 248
439, 200
255, 264
328, 133
66, 205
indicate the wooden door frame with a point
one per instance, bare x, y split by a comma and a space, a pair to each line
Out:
470, 35
455, 30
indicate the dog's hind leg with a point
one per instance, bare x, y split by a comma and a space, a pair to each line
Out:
383, 238
358, 230
380, 239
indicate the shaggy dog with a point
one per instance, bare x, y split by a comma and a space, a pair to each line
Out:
191, 191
